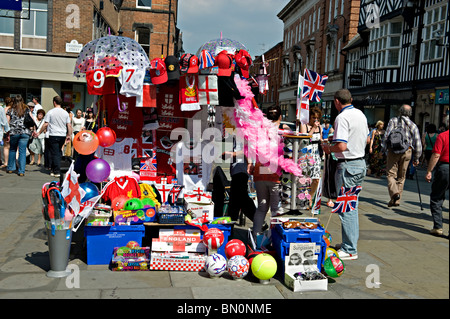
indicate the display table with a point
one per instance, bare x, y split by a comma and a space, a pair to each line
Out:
295, 143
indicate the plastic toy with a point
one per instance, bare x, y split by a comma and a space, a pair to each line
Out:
334, 266
234, 247
215, 265
118, 202
238, 267
133, 204
85, 142
133, 244
264, 266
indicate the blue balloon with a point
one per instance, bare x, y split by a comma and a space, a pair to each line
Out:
91, 191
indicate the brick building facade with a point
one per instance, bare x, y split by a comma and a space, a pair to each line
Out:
37, 55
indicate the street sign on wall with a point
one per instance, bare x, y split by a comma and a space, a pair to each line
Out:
11, 5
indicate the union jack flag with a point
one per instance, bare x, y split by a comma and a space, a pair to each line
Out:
206, 60
347, 199
313, 85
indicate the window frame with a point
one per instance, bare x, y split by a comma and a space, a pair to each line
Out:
144, 7
33, 12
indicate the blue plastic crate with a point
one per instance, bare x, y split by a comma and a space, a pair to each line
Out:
299, 235
225, 228
282, 247
101, 241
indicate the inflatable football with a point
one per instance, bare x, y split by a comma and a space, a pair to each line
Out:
213, 238
235, 247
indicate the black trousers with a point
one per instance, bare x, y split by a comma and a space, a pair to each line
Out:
55, 144
239, 198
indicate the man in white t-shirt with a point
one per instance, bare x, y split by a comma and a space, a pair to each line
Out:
349, 143
37, 106
57, 123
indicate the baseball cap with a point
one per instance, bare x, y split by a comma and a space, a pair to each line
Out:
189, 63
173, 68
30, 104
225, 62
158, 71
243, 61
206, 59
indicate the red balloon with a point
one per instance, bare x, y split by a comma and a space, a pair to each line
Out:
85, 142
106, 137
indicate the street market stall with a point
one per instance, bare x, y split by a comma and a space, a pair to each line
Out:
145, 171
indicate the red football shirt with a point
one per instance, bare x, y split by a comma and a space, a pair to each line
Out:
441, 146
99, 84
123, 185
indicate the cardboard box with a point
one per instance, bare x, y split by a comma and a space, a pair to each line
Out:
302, 258
188, 262
296, 284
136, 260
178, 240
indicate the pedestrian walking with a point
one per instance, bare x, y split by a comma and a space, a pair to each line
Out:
57, 123
377, 159
438, 166
19, 136
8, 103
36, 146
349, 142
267, 184
402, 144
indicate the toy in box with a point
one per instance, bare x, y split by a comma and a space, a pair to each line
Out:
100, 216
199, 205
301, 272
130, 257
135, 217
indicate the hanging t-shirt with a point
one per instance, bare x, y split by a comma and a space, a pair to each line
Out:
132, 81
126, 123
193, 165
123, 185
99, 84
164, 144
189, 93
118, 155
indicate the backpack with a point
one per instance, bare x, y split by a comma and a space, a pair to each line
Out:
397, 140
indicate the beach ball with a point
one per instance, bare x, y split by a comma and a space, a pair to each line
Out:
118, 202
234, 247
213, 238
327, 238
91, 191
215, 265
133, 204
98, 170
334, 266
330, 252
85, 142
238, 267
106, 137
264, 266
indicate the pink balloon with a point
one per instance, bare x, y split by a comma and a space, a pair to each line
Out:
98, 170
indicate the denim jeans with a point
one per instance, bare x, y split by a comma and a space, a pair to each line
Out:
349, 174
438, 189
18, 142
55, 147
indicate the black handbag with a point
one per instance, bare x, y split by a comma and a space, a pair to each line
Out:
28, 121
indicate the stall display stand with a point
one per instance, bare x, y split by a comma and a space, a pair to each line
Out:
296, 139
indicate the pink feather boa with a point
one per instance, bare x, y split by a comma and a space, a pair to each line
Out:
263, 142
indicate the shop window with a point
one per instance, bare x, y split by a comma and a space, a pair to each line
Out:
34, 30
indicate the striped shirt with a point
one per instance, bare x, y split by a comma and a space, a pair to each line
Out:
412, 135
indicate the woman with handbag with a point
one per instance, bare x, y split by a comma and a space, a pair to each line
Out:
20, 122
